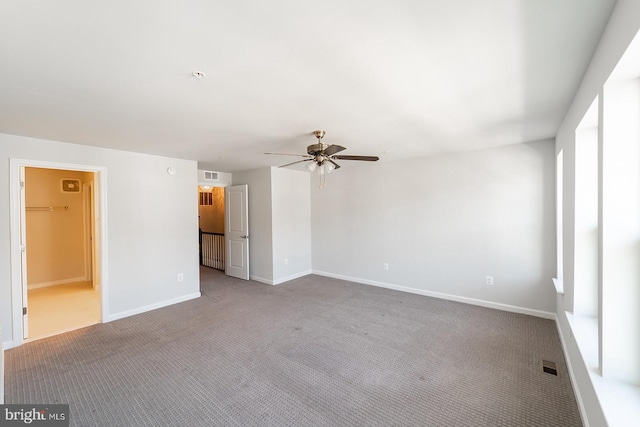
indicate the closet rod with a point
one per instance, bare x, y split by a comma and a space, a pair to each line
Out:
46, 208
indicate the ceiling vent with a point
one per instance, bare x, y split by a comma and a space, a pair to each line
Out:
210, 176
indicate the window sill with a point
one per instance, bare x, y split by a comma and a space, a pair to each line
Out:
620, 402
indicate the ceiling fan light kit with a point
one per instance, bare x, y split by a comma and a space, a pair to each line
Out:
322, 157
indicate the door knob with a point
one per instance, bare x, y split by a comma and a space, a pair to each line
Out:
245, 236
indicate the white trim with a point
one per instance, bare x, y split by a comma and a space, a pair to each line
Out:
559, 285
154, 306
15, 254
466, 300
292, 277
57, 282
576, 390
6, 345
281, 280
619, 402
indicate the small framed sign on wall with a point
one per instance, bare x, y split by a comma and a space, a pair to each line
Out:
70, 186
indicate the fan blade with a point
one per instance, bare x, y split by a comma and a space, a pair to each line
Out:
285, 154
337, 166
299, 161
364, 158
332, 149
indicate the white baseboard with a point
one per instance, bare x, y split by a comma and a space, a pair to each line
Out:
56, 282
150, 307
261, 280
576, 390
466, 300
281, 280
292, 277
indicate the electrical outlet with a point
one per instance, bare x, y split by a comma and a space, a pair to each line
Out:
180, 277
286, 261
489, 280
385, 266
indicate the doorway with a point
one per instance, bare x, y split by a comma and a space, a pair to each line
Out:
57, 241
211, 226
61, 295
223, 214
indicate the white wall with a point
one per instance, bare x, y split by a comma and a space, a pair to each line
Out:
443, 224
152, 224
224, 179
279, 223
623, 25
291, 210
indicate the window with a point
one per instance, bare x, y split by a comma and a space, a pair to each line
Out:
586, 227
620, 229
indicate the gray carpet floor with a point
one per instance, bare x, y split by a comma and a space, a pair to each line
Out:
311, 352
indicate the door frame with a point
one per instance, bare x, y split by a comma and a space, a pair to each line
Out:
16, 210
88, 217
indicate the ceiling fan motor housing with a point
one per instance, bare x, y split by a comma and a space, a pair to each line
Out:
315, 149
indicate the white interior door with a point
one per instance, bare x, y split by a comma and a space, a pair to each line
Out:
236, 231
87, 194
23, 256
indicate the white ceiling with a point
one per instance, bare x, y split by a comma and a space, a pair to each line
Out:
389, 78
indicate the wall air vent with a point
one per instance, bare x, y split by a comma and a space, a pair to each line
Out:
210, 176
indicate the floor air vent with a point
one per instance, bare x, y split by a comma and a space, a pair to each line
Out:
549, 367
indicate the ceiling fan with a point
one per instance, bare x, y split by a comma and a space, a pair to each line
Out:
322, 156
